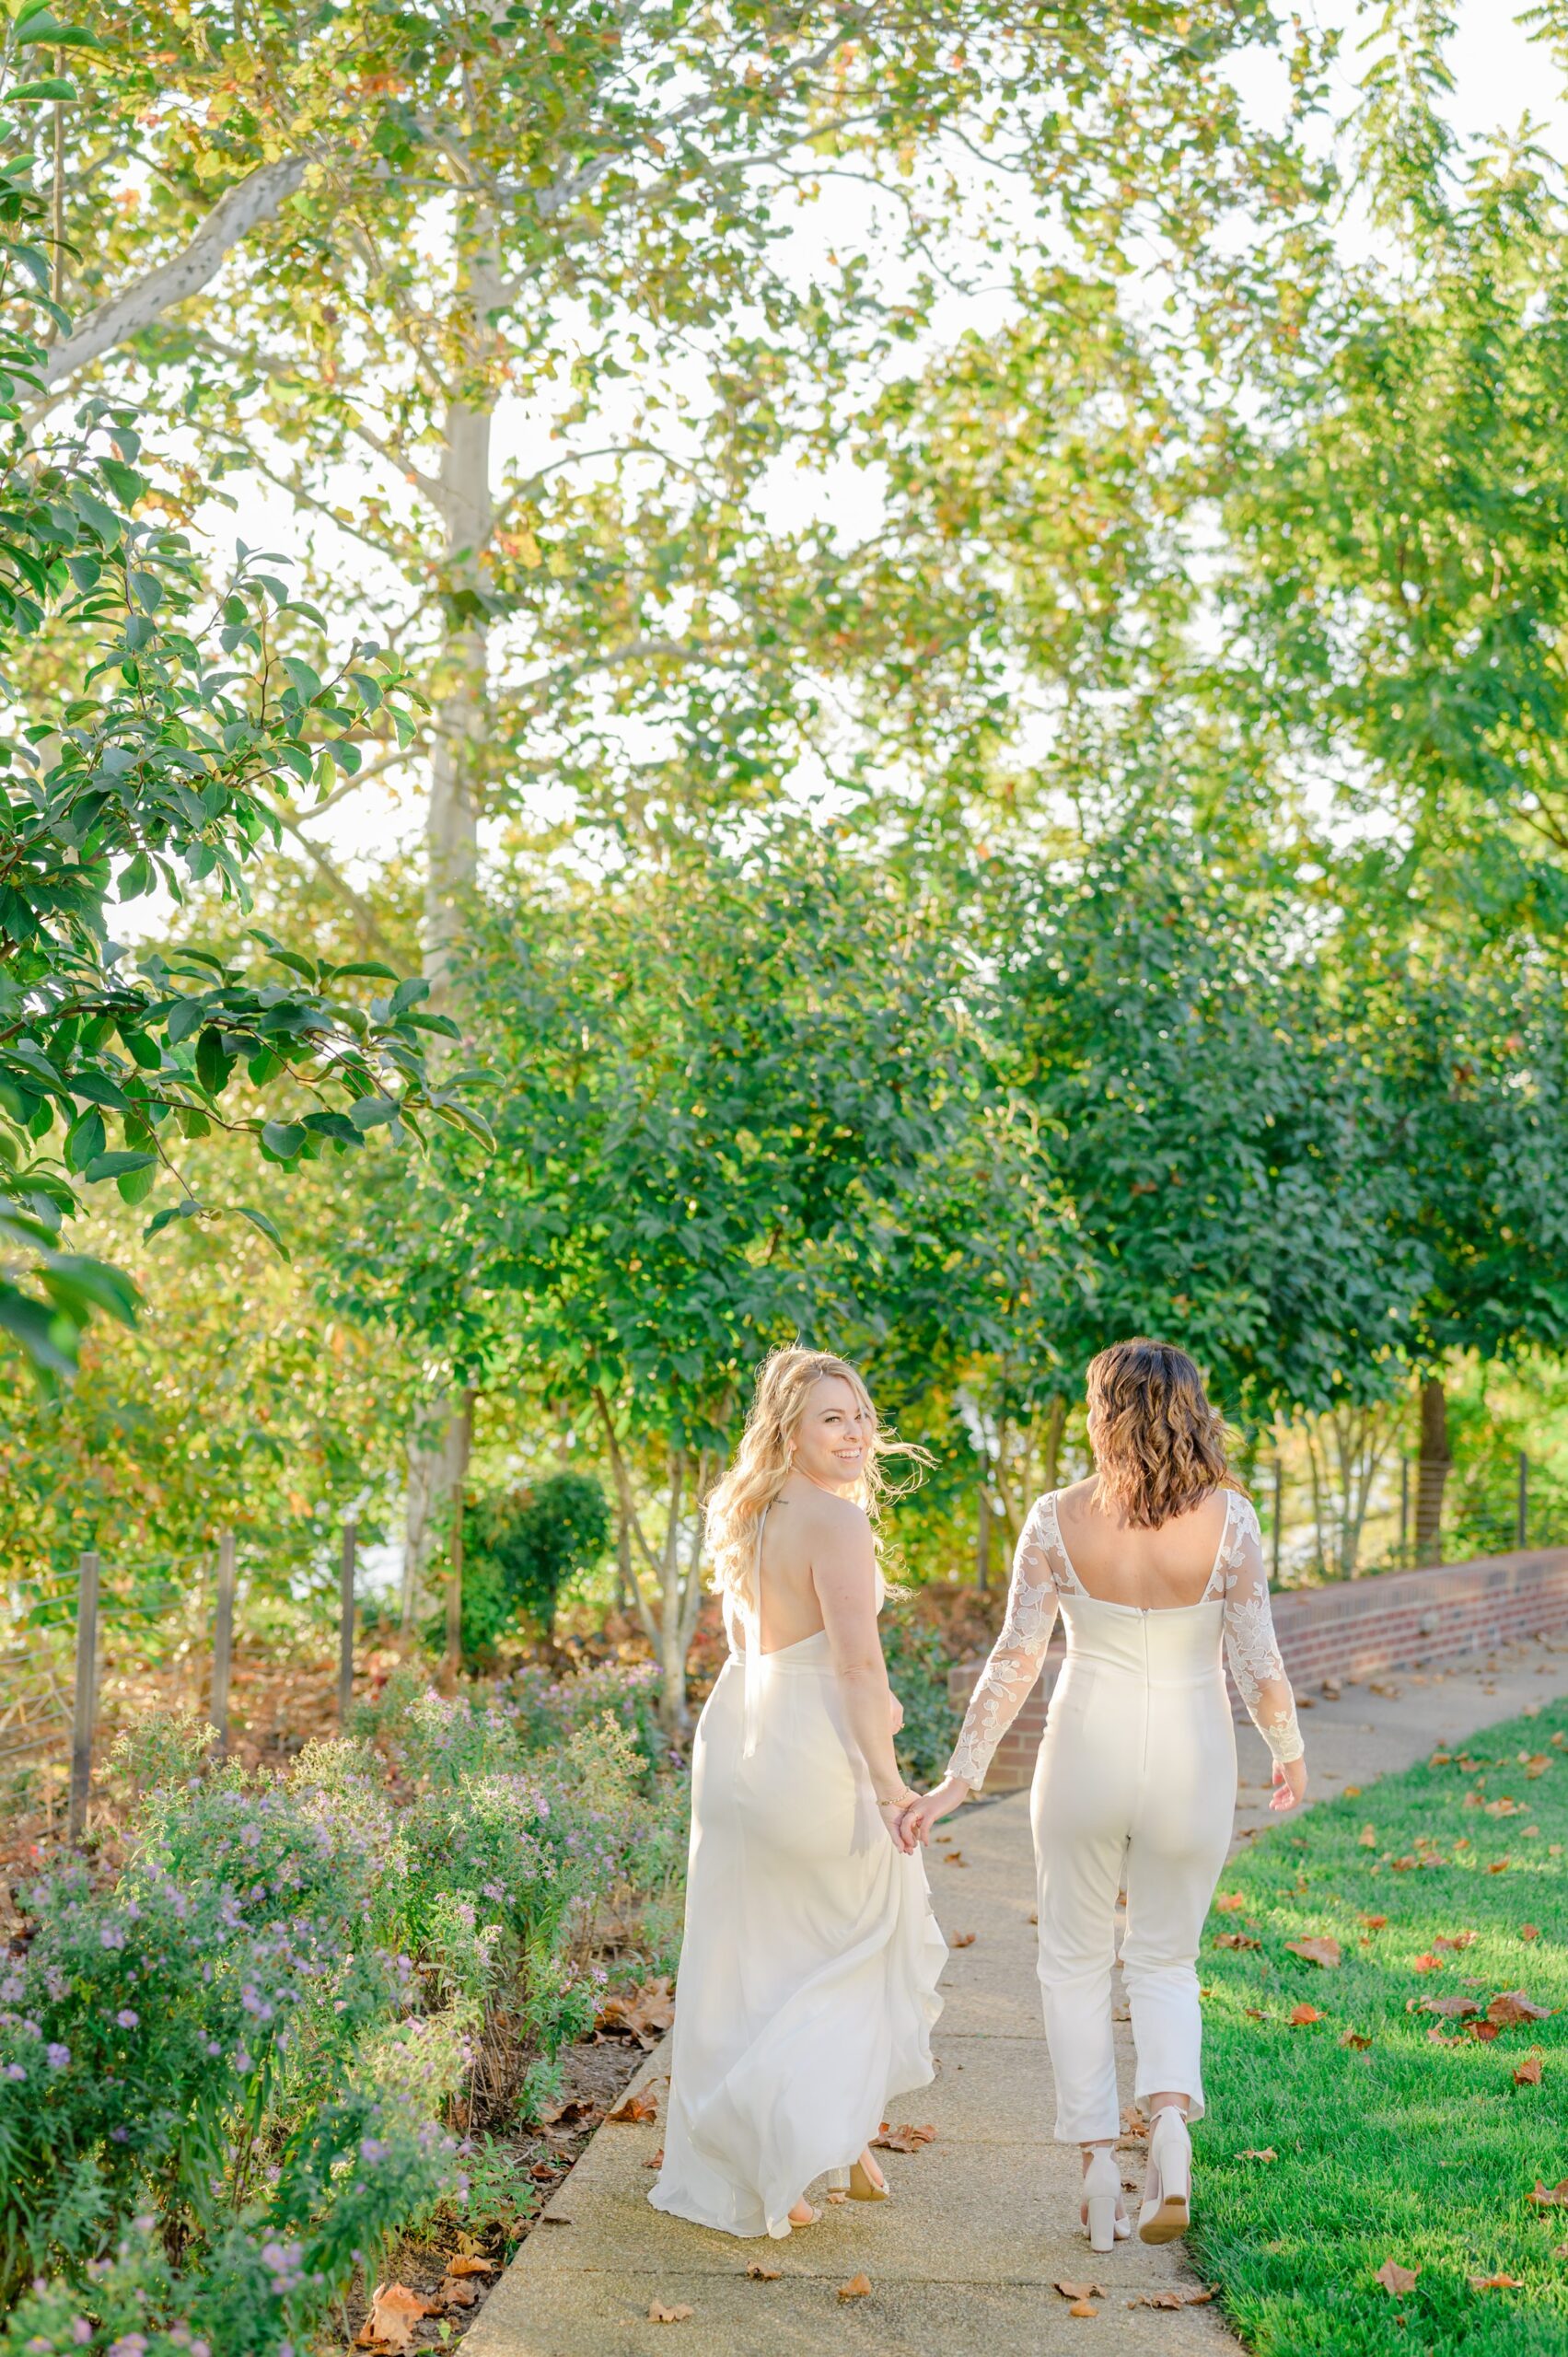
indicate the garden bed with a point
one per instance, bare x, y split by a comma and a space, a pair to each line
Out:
297, 2033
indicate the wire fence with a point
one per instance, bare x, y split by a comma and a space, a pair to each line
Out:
51, 1639
1401, 1514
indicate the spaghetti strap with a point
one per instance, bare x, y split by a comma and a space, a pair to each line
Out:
751, 1666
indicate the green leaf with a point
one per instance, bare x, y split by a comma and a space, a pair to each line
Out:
408, 993
166, 1217
283, 1138
260, 1220
370, 967
116, 1166
35, 93
135, 1186
295, 964
85, 1139
306, 682
369, 1112
212, 1064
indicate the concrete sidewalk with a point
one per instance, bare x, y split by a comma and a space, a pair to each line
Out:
966, 2259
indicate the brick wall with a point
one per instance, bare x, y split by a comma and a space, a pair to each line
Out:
1352, 1629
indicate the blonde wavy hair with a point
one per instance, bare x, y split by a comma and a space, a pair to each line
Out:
735, 1506
1160, 1444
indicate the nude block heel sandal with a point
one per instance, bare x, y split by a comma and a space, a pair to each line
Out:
1101, 2200
1167, 2211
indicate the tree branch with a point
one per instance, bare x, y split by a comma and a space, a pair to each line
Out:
336, 878
252, 200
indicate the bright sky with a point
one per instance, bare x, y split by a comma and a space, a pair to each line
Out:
1499, 77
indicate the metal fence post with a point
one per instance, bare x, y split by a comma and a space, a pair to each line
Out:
1524, 1500
346, 1625
223, 1641
87, 1694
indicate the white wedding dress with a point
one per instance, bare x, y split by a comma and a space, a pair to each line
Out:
1134, 1789
808, 1971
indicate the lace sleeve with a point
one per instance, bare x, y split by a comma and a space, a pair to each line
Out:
1014, 1662
1249, 1642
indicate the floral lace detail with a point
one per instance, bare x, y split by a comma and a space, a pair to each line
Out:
1040, 1569
1251, 1647
1042, 1572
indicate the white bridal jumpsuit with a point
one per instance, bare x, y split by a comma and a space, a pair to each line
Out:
809, 1969
1136, 1788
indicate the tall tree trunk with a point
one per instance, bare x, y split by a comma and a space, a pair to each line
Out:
452, 822
460, 1434
1432, 1471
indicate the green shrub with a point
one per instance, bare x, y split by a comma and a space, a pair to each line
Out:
520, 1548
917, 1669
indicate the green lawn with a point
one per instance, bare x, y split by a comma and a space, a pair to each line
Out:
1401, 2148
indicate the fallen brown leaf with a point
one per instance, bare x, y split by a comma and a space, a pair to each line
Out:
1456, 2007
658, 2160
394, 2312
458, 2291
1527, 2074
1529, 1931
857, 2288
1082, 2308
1356, 2039
1498, 1867
1321, 1949
904, 2138
646, 2012
1235, 1940
1230, 1902
1497, 2282
1395, 2278
1299, 2015
1427, 1964
761, 2274
573, 2112
471, 2264
1267, 2153
955, 1858
1367, 1837
1375, 1922
1550, 2197
1082, 2290
1455, 1940
659, 2314
961, 1940
1512, 2005
636, 2112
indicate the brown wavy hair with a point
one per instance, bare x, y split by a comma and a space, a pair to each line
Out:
1160, 1444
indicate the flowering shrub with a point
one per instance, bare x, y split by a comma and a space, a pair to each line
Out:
226, 2078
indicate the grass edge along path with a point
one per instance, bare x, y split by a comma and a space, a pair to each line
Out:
1383, 2105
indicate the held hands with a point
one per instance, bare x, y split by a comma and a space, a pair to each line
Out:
1289, 1783
892, 1812
924, 1812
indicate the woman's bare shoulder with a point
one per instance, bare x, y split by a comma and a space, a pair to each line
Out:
1078, 1500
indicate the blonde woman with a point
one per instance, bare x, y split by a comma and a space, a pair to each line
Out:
808, 1972
1152, 1563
